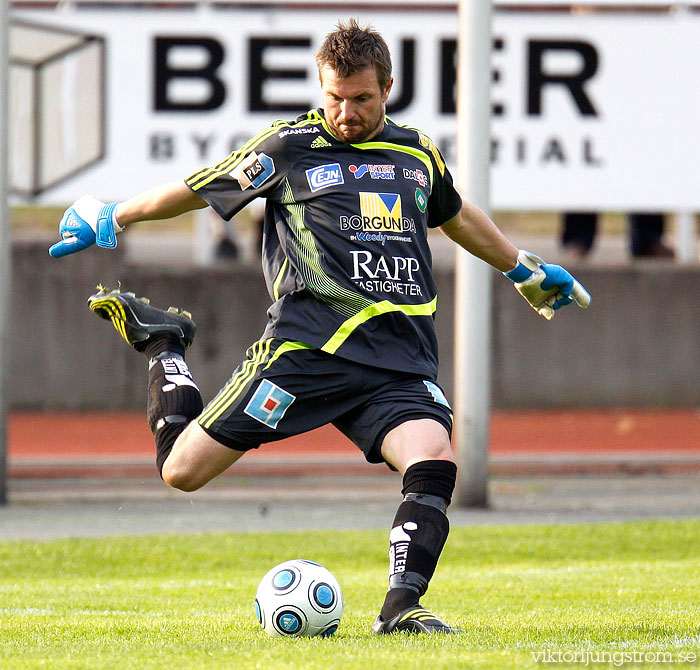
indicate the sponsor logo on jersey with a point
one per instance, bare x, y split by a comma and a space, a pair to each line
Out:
382, 210
430, 146
421, 201
416, 175
379, 212
367, 264
385, 274
382, 238
254, 171
320, 142
324, 176
299, 131
374, 171
269, 403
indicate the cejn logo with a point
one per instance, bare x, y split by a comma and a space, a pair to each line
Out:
324, 176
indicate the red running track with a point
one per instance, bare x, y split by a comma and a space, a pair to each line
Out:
100, 434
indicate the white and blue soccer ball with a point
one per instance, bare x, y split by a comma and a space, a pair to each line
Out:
299, 598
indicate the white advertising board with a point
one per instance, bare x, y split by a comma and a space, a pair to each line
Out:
590, 111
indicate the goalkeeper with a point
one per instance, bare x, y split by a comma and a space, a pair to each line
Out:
350, 339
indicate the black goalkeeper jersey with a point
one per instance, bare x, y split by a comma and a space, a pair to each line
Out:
345, 251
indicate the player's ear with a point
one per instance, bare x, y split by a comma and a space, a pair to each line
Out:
387, 89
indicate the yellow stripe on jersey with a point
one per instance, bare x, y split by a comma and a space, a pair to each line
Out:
320, 284
376, 309
428, 143
278, 279
202, 178
388, 146
206, 175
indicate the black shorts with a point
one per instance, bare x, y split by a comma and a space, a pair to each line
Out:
285, 388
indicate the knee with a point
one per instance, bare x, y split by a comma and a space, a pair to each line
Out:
181, 478
433, 452
439, 451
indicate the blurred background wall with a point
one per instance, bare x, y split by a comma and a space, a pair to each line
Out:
595, 107
637, 345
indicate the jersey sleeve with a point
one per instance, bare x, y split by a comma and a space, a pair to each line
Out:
444, 201
253, 171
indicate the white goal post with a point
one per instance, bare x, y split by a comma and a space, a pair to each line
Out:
4, 247
472, 347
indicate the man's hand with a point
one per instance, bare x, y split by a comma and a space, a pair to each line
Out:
86, 222
546, 287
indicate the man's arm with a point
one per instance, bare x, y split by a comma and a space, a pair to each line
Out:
545, 287
90, 221
161, 202
473, 230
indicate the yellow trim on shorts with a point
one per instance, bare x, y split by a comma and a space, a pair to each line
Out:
284, 348
231, 392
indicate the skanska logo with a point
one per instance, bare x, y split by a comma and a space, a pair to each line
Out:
299, 131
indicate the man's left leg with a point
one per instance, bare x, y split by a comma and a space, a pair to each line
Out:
419, 449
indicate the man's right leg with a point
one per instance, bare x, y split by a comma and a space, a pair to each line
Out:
187, 457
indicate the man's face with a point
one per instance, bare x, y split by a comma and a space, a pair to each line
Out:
354, 105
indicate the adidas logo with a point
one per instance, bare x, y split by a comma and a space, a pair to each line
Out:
320, 142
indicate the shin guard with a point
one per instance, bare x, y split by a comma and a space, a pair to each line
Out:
173, 401
419, 533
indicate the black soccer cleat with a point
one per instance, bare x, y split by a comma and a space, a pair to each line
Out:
413, 620
137, 322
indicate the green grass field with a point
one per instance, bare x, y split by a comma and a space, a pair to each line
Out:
183, 602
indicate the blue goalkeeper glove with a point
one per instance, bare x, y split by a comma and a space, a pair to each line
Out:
86, 222
546, 287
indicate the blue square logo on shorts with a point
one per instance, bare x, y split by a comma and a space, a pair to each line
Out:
436, 392
269, 403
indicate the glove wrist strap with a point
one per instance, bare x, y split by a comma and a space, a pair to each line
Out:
107, 227
527, 264
520, 272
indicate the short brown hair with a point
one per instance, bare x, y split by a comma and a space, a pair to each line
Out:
350, 49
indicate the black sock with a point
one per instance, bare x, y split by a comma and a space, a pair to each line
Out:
418, 533
154, 346
173, 401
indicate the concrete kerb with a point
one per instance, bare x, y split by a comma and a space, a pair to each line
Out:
305, 465
61, 508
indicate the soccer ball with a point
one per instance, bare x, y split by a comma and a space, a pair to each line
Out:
299, 598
